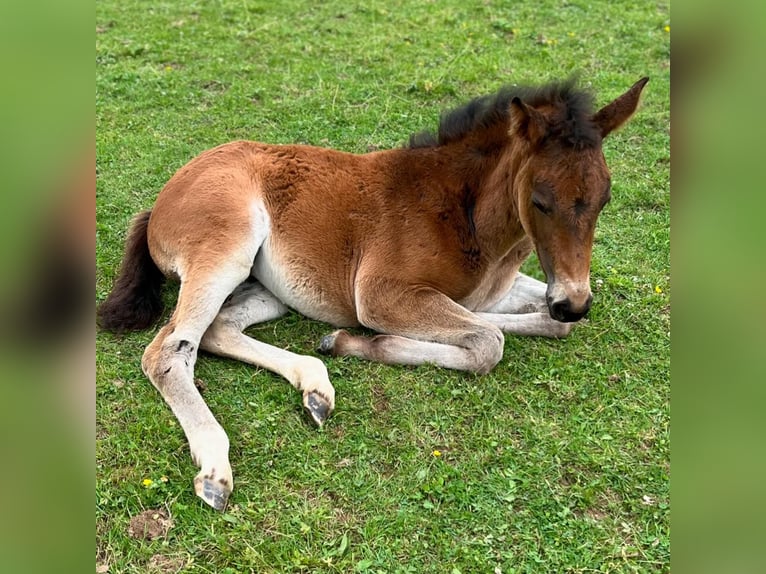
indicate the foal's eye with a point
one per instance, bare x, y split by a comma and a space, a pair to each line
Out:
540, 206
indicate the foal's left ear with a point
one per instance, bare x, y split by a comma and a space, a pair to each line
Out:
527, 122
613, 115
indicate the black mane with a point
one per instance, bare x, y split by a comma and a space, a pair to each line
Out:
572, 125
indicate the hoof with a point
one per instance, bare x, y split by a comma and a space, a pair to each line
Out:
317, 407
215, 492
327, 344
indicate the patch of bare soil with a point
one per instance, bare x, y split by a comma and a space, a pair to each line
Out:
150, 525
379, 400
165, 564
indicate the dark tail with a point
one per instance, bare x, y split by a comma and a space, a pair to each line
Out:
136, 298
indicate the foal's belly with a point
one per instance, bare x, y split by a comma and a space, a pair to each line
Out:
308, 288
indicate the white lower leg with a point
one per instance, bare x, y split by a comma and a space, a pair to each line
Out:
528, 324
479, 353
527, 295
171, 370
210, 451
307, 374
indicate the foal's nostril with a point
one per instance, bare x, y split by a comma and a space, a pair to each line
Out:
559, 309
562, 311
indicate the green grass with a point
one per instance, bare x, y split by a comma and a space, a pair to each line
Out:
557, 461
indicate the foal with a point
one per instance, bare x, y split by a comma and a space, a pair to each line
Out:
421, 244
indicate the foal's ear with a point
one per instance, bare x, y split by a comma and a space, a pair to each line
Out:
613, 115
527, 122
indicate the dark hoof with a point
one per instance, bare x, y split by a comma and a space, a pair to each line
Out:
213, 492
327, 344
317, 407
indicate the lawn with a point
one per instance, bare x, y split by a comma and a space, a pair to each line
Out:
556, 461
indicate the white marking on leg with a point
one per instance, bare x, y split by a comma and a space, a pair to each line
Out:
528, 324
479, 352
252, 304
527, 295
307, 374
419, 325
169, 363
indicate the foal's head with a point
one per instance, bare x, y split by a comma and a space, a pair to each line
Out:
563, 186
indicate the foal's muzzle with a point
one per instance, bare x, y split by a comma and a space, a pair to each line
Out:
563, 310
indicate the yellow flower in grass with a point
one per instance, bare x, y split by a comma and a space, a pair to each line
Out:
147, 482
436, 453
658, 289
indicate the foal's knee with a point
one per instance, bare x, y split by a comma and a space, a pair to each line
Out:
486, 349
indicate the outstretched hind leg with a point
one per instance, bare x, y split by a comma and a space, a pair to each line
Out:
169, 363
251, 303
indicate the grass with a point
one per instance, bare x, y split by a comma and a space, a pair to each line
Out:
557, 461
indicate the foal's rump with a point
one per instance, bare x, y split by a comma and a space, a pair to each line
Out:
209, 212
287, 211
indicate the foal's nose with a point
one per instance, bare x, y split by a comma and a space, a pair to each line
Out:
564, 311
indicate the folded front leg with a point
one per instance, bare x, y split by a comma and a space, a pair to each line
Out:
527, 295
420, 325
528, 324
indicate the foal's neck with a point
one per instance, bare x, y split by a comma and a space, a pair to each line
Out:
496, 215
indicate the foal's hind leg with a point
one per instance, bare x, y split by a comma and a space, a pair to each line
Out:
251, 303
169, 363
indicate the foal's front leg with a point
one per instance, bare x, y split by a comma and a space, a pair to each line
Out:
524, 311
527, 295
528, 324
419, 325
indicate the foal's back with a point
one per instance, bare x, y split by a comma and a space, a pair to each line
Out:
331, 217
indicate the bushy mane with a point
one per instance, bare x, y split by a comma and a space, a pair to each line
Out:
572, 123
